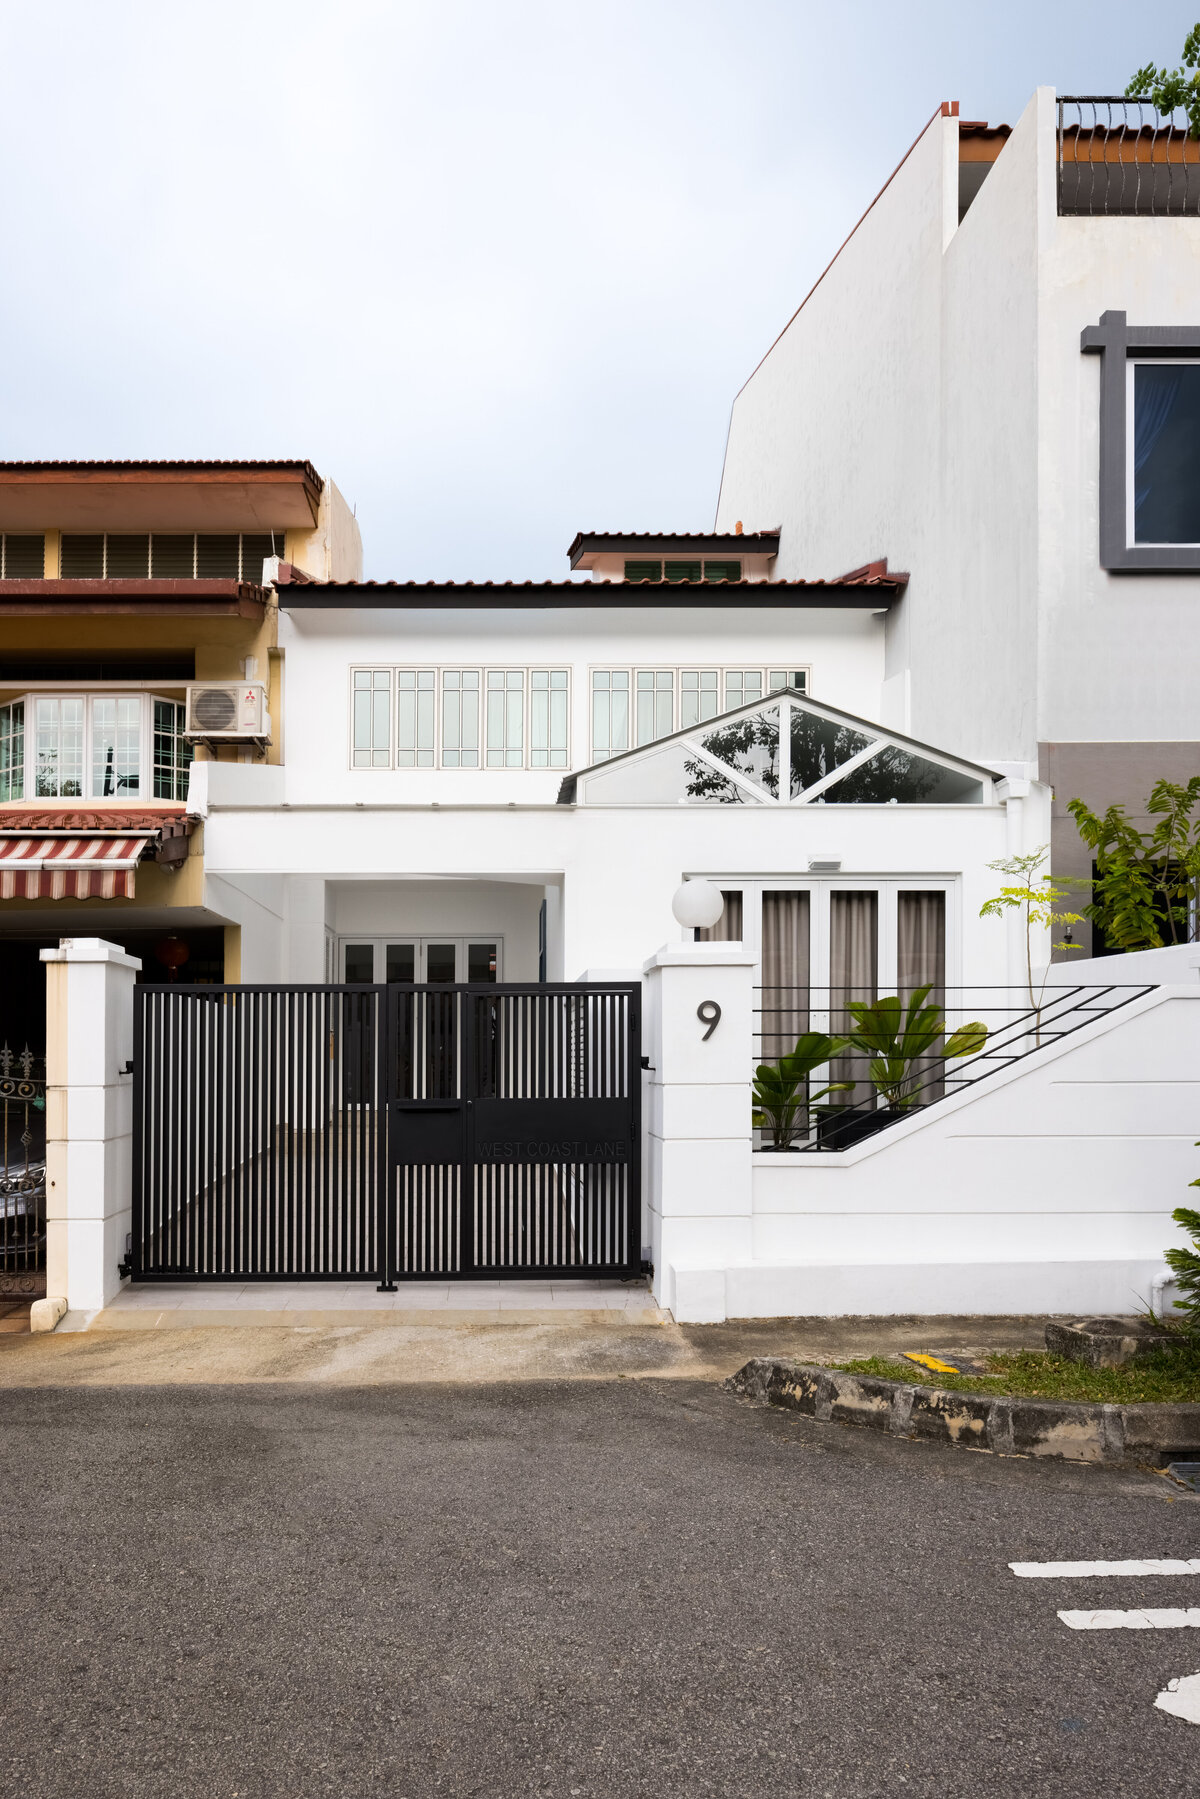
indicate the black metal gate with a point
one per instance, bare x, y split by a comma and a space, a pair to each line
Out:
386, 1133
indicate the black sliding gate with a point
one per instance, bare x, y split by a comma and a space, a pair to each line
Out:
386, 1133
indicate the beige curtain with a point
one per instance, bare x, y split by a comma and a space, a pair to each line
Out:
853, 975
728, 928
921, 962
785, 976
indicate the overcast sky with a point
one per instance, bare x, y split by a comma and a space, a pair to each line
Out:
496, 266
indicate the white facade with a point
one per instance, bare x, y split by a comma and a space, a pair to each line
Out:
930, 402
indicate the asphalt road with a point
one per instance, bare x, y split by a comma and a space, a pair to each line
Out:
590, 1588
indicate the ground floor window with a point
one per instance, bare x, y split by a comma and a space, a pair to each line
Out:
822, 944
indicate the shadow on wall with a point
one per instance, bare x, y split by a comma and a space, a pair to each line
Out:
23, 975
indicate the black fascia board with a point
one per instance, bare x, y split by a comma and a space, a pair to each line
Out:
648, 543
585, 596
1115, 341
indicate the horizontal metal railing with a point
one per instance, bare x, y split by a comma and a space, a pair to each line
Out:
1016, 1029
1119, 156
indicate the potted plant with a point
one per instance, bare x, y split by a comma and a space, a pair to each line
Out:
780, 1089
896, 1037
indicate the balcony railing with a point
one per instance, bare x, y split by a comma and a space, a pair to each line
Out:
1119, 157
1015, 1030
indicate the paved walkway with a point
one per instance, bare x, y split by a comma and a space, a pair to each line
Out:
333, 1305
386, 1350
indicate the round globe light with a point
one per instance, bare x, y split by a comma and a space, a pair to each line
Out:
697, 904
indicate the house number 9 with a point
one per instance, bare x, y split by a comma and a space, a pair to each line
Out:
709, 1013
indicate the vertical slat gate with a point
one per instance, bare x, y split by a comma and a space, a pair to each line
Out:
386, 1133
259, 1133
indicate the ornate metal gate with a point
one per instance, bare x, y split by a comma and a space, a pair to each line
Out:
386, 1133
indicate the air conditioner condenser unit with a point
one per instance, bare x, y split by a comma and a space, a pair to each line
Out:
228, 712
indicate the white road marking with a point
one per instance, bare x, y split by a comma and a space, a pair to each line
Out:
1092, 1570
1181, 1698
1152, 1618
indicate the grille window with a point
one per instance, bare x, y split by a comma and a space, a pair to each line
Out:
683, 571
172, 751
24, 558
167, 556
666, 700
82, 558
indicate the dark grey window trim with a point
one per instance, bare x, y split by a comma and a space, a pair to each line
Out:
1115, 342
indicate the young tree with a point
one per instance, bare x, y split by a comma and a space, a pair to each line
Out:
1172, 89
1147, 882
1035, 896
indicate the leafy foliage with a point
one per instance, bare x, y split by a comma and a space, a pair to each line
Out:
1035, 896
780, 1089
1185, 1266
897, 1036
750, 745
1173, 89
1145, 880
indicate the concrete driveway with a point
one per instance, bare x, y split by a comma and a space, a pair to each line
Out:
599, 1586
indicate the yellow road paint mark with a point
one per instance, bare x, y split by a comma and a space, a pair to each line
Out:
930, 1361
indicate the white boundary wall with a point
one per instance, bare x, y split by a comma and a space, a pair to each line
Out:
89, 1118
1048, 1188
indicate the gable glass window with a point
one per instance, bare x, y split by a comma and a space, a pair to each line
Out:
77, 746
786, 751
668, 699
1163, 480
460, 718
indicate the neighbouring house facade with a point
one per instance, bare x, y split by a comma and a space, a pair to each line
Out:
998, 380
137, 637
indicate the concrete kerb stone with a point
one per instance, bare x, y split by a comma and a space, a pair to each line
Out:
1005, 1424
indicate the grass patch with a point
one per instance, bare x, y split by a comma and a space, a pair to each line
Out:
1167, 1376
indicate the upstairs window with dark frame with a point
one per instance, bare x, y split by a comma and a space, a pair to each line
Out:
1149, 466
1164, 452
167, 555
22, 558
700, 569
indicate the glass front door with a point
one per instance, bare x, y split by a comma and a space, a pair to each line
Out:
433, 960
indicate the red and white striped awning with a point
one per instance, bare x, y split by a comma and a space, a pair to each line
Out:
82, 866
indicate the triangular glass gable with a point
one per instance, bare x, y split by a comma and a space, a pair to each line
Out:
736, 760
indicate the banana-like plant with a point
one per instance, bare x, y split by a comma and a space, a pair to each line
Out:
897, 1036
780, 1089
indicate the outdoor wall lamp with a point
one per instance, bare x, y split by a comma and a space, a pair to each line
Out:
697, 905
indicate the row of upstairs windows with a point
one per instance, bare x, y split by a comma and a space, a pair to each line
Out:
102, 746
520, 718
163, 556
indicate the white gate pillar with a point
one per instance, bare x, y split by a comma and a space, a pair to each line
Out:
698, 1122
89, 1118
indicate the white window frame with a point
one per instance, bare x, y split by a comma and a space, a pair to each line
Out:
438, 670
146, 699
721, 670
820, 889
1132, 364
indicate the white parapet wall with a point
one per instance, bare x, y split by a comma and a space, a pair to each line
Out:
89, 1118
1048, 1187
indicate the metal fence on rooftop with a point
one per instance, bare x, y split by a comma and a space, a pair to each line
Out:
1122, 157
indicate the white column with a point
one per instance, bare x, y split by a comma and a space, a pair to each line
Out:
698, 1123
89, 1118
